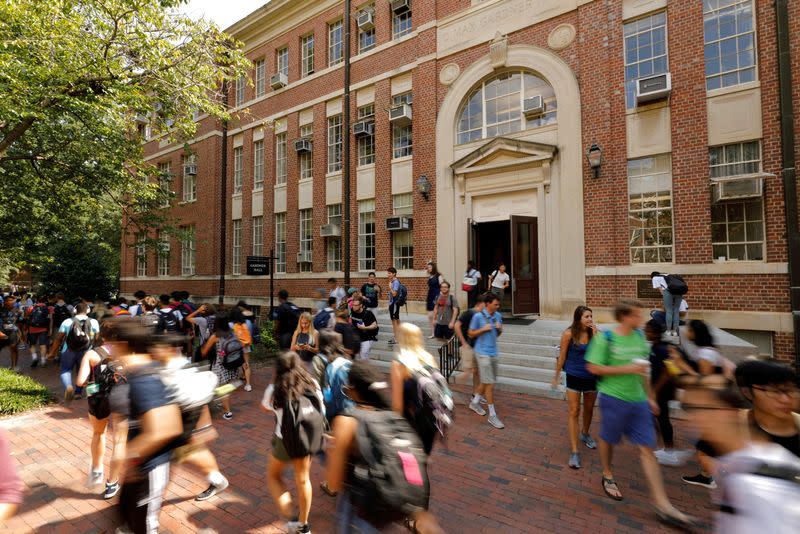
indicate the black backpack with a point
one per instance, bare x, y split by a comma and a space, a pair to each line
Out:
676, 285
303, 425
168, 322
231, 353
80, 334
108, 373
402, 295
60, 314
40, 317
393, 481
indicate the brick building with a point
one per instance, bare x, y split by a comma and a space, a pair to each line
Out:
494, 104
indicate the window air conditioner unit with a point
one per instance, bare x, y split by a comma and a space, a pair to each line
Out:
533, 107
400, 115
396, 224
302, 145
330, 230
304, 257
366, 20
401, 6
737, 188
653, 88
363, 128
278, 80
190, 170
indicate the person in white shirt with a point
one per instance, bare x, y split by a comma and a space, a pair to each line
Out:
472, 277
672, 303
336, 291
499, 281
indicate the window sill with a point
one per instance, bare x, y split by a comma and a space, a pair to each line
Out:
365, 167
337, 174
280, 186
237, 195
258, 189
733, 89
717, 261
402, 159
648, 107
305, 180
186, 202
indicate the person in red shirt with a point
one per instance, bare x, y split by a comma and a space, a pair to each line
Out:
40, 323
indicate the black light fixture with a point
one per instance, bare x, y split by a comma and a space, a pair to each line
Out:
595, 157
424, 187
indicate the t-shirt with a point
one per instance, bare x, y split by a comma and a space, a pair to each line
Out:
447, 305
66, 326
366, 318
486, 343
465, 320
659, 282
39, 329
622, 350
710, 354
287, 314
499, 280
370, 292
475, 274
350, 338
9, 320
266, 402
147, 392
393, 286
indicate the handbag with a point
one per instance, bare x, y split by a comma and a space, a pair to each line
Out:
469, 283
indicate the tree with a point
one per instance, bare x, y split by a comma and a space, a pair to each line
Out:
75, 77
80, 268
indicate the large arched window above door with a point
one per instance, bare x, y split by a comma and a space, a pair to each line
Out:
495, 107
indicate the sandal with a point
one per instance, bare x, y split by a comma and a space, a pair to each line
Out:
329, 492
610, 485
687, 525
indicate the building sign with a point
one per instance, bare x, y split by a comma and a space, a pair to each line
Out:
645, 290
258, 265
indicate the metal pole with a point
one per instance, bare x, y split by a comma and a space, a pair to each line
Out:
346, 147
788, 170
271, 283
223, 199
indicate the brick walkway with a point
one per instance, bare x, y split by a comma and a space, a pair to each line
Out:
484, 480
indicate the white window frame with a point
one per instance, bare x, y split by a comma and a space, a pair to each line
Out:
711, 13
240, 84
236, 247
189, 180
238, 170
282, 61
188, 251
402, 24
366, 239
280, 158
730, 162
402, 136
163, 255
403, 241
665, 174
141, 258
334, 244
335, 144
258, 236
366, 40
307, 55
261, 77
165, 181
631, 29
335, 43
280, 242
258, 165
746, 227
366, 143
306, 159
306, 235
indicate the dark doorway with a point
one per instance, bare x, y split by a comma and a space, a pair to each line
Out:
492, 247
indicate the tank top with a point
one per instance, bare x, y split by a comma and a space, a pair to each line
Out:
575, 365
303, 338
433, 287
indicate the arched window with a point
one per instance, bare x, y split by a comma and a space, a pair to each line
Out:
495, 107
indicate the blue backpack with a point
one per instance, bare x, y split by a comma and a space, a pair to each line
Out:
321, 319
402, 295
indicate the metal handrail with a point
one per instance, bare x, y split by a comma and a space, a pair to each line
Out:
449, 357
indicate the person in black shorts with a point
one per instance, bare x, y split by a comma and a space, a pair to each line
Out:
286, 318
394, 305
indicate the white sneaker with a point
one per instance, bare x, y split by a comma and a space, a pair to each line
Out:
476, 407
95, 478
495, 422
248, 387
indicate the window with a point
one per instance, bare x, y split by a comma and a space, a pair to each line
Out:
334, 144
496, 107
163, 255
261, 77
335, 49
366, 143
280, 242
402, 242
734, 160
645, 51
334, 244
306, 240
366, 235
402, 135
280, 158
188, 253
258, 165
240, 90
282, 61
141, 256
737, 230
730, 50
165, 182
307, 158
238, 170
650, 209
306, 55
189, 178
366, 38
236, 247
401, 24
258, 236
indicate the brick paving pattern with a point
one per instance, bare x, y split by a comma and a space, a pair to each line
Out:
483, 481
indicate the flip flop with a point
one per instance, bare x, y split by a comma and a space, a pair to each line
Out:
686, 525
607, 486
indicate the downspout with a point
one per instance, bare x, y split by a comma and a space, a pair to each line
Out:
223, 200
788, 171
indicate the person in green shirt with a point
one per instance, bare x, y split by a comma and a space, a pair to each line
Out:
620, 359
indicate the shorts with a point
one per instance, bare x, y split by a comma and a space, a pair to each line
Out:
631, 419
99, 406
430, 305
279, 450
581, 385
442, 331
394, 312
10, 341
40, 338
487, 368
140, 500
467, 358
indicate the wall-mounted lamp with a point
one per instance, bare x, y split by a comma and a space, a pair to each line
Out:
424, 187
595, 157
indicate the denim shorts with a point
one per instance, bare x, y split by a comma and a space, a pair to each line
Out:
630, 419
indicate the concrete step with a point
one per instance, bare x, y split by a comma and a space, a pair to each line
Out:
524, 339
539, 360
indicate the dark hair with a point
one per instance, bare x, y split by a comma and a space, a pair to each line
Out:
135, 334
470, 263
342, 312
370, 384
480, 299
210, 310
371, 273
140, 294
434, 268
331, 301
488, 298
767, 372
330, 343
575, 327
291, 379
625, 307
332, 280
41, 299
221, 324
656, 326
391, 270
654, 274
184, 295
81, 308
164, 299
283, 294
236, 316
702, 335
176, 295
242, 304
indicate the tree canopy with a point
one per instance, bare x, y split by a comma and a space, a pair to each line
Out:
75, 76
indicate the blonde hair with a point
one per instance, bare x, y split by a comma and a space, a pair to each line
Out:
411, 342
305, 316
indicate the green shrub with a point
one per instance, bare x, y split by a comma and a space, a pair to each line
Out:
19, 393
268, 348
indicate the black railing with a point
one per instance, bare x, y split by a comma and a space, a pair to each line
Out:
449, 357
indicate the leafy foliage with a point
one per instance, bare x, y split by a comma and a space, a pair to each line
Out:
20, 393
81, 268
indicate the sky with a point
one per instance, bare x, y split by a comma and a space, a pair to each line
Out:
223, 12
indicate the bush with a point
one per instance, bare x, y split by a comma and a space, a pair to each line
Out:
20, 393
267, 349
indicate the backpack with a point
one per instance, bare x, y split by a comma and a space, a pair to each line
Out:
40, 317
80, 334
231, 353
60, 314
434, 402
149, 320
168, 322
393, 481
108, 373
321, 319
190, 387
303, 425
676, 285
402, 295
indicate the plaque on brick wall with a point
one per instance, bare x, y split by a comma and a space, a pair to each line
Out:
645, 290
258, 265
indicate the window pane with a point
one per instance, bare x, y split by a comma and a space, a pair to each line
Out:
730, 43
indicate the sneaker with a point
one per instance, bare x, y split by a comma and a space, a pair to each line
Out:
227, 416
700, 480
95, 478
483, 401
667, 457
34, 362
69, 394
304, 529
211, 491
248, 387
292, 525
495, 422
112, 488
476, 407
588, 441
574, 461
392, 341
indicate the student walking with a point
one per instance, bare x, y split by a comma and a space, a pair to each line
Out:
243, 332
10, 322
471, 283
40, 322
75, 336
286, 318
580, 382
485, 327
468, 364
445, 313
395, 301
499, 280
305, 340
435, 280
226, 360
371, 292
619, 358
336, 291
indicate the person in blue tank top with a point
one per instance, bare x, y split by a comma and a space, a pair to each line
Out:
580, 381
